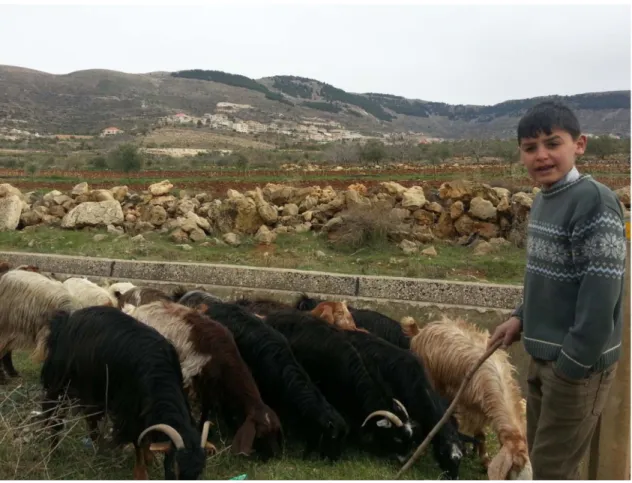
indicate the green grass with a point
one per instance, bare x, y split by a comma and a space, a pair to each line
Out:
24, 450
289, 251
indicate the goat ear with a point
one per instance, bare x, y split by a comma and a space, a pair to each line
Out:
244, 438
501, 464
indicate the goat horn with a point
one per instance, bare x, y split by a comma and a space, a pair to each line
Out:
168, 430
205, 429
401, 406
388, 415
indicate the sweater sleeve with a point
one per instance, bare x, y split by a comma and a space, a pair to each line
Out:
599, 253
517, 312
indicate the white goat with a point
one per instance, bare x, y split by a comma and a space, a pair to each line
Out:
449, 348
119, 288
89, 293
27, 300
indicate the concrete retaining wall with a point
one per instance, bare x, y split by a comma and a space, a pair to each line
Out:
424, 299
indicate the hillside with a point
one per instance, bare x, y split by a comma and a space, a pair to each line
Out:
85, 102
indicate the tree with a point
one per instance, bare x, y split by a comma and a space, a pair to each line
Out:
507, 151
373, 152
241, 161
438, 153
126, 158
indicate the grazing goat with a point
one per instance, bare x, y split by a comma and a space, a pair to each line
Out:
375, 322
212, 366
138, 296
377, 420
88, 293
7, 359
119, 288
406, 376
283, 382
335, 313
27, 299
409, 326
107, 360
449, 348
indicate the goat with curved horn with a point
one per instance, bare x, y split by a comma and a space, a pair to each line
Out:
388, 415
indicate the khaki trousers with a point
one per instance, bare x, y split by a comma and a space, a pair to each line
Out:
561, 418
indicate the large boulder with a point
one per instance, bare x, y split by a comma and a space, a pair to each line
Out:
94, 213
10, 212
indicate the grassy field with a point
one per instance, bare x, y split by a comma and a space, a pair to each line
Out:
303, 251
25, 451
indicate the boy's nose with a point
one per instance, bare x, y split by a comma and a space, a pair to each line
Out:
542, 153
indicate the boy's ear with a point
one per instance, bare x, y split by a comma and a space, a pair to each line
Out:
580, 144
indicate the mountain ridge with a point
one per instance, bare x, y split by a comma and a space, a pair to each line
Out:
89, 100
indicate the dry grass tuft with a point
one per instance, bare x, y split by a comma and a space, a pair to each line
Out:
363, 226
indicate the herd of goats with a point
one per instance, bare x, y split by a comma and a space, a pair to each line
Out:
157, 364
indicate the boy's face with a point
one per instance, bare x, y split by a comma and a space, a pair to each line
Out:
549, 157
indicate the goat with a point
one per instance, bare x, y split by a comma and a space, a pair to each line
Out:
335, 313
283, 382
88, 293
142, 295
111, 362
409, 326
211, 364
7, 359
449, 348
27, 299
377, 420
405, 374
119, 288
375, 322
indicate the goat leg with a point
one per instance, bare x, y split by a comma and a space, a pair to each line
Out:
482, 450
140, 467
7, 363
52, 420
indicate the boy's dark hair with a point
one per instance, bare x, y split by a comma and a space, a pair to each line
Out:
546, 116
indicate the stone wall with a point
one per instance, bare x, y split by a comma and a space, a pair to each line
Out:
459, 210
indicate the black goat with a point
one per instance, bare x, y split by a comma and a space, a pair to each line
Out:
282, 381
406, 375
350, 382
110, 361
375, 322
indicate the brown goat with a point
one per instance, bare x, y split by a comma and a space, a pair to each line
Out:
449, 348
212, 365
336, 313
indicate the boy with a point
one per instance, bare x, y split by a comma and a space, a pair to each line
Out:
571, 316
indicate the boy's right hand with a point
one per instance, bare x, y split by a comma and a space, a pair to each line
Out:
508, 332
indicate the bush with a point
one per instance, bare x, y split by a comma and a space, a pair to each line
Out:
363, 226
125, 158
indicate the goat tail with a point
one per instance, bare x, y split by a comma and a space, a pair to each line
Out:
57, 318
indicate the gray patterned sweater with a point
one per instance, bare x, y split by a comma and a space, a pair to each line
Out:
573, 288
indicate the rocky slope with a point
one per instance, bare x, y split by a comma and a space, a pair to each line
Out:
86, 102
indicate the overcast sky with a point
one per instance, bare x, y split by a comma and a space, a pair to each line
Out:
455, 54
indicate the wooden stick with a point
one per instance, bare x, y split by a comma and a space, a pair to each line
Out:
449, 411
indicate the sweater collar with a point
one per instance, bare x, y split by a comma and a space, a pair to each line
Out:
572, 177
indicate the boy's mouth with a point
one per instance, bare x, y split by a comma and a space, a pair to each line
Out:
545, 169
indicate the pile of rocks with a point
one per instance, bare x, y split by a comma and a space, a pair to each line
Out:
458, 210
